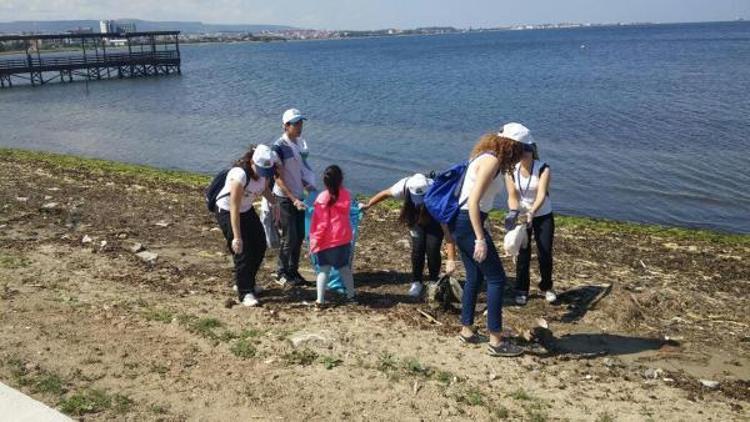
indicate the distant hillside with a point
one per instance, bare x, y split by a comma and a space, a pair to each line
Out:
141, 25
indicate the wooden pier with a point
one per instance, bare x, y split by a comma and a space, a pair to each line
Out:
101, 56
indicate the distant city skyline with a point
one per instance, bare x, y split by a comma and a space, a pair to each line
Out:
358, 14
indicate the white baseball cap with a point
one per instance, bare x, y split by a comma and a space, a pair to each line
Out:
292, 116
417, 186
517, 132
264, 159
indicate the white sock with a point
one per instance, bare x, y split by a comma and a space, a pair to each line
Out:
348, 278
322, 282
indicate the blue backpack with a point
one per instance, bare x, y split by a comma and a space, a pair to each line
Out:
442, 198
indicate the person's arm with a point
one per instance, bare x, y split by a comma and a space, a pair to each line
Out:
541, 192
235, 201
288, 193
486, 171
510, 186
513, 202
275, 210
378, 198
450, 250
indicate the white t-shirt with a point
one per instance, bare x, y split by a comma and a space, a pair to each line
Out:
253, 189
528, 186
487, 202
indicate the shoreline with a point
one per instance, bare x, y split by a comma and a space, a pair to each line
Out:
197, 180
117, 303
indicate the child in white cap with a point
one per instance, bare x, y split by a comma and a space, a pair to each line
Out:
426, 234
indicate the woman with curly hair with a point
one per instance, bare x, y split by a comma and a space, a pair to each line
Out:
493, 156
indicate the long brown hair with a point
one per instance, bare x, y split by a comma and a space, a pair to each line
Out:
246, 162
413, 214
507, 151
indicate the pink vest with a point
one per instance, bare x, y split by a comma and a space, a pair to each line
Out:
330, 226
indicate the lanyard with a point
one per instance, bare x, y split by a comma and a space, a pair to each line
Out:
518, 177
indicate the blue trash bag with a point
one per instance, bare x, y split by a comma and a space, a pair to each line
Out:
355, 215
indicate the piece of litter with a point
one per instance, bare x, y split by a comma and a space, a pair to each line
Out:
709, 384
87, 239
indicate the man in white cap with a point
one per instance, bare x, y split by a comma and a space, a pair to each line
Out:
291, 183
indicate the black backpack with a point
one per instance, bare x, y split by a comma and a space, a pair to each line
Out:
214, 188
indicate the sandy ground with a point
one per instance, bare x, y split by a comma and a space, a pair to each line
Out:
647, 328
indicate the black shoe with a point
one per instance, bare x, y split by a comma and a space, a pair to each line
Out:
298, 280
505, 349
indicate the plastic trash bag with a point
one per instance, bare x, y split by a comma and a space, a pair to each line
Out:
515, 240
273, 239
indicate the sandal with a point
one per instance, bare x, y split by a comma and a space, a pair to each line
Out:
505, 349
472, 339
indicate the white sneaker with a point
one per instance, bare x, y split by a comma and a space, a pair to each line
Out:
521, 299
416, 289
250, 300
550, 296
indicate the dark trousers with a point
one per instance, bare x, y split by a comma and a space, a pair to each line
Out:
425, 243
491, 270
247, 263
543, 229
292, 236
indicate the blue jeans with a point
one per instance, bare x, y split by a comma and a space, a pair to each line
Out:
491, 269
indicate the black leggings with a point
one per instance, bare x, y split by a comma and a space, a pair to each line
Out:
247, 263
426, 242
543, 229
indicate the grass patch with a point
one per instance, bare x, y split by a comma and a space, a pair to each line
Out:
330, 362
204, 327
387, 362
413, 366
160, 315
86, 401
121, 404
304, 357
12, 262
445, 377
244, 349
521, 395
95, 167
49, 383
471, 396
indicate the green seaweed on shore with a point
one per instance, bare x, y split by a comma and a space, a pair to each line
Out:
141, 173
147, 174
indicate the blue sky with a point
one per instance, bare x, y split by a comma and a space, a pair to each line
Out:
364, 14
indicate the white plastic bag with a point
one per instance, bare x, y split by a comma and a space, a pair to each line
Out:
269, 226
515, 240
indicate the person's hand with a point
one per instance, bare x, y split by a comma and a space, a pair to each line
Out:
529, 218
450, 267
480, 250
510, 219
237, 246
363, 207
299, 205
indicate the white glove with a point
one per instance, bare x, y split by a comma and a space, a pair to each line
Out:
237, 246
480, 250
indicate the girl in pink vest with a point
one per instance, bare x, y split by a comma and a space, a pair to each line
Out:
331, 233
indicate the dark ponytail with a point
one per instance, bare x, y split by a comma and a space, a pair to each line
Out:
333, 177
246, 162
413, 214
